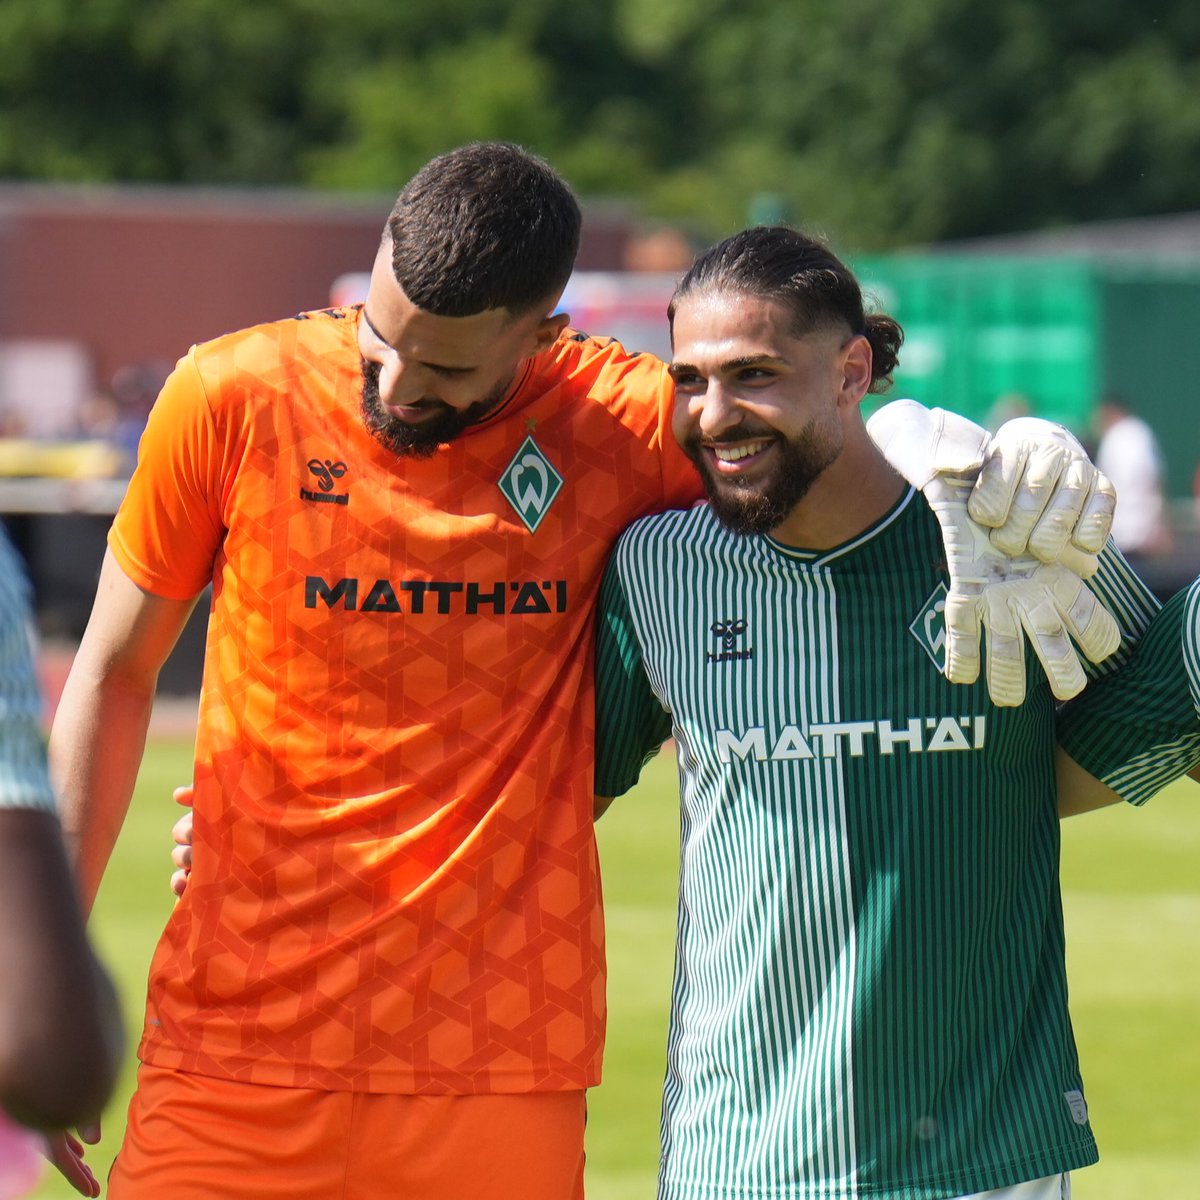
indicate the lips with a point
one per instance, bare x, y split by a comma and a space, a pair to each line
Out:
414, 414
734, 457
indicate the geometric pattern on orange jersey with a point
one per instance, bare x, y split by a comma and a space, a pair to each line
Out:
396, 883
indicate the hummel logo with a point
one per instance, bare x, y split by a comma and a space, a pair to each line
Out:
326, 472
729, 631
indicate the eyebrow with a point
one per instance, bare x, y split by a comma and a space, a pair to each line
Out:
732, 364
372, 327
437, 367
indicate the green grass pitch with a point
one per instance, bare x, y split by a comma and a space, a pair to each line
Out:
1132, 911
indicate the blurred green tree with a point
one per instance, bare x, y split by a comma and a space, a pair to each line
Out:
880, 121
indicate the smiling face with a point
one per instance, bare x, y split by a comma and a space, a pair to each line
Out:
427, 378
760, 409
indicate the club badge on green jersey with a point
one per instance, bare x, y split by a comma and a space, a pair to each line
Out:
929, 626
530, 483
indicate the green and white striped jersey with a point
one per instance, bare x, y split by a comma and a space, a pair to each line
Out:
869, 995
1140, 729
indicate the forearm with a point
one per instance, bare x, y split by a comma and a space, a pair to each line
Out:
96, 748
100, 728
61, 1038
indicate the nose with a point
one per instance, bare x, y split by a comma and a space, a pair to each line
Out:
397, 381
717, 410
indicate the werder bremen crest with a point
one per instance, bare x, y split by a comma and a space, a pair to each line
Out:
530, 483
929, 626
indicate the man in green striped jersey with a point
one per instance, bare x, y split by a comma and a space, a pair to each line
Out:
869, 996
1140, 729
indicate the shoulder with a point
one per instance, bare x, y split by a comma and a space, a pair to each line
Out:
1191, 598
675, 527
267, 359
297, 341
1183, 609
907, 538
576, 345
602, 368
1188, 602
656, 559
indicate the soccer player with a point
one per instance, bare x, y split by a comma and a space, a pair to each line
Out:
60, 1031
387, 973
869, 995
1129, 737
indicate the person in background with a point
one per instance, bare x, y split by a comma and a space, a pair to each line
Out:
1128, 453
60, 1029
1007, 407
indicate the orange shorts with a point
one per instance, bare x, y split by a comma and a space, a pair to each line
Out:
192, 1137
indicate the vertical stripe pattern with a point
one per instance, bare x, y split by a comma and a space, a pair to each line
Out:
1140, 729
869, 996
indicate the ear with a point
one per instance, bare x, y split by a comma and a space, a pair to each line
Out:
547, 331
855, 364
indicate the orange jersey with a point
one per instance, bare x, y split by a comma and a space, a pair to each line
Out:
395, 884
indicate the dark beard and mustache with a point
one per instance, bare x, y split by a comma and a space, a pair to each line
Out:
420, 441
752, 508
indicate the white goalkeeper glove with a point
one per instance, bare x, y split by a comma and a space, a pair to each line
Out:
1039, 492
1012, 597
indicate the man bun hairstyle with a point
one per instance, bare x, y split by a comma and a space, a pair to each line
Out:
486, 226
776, 262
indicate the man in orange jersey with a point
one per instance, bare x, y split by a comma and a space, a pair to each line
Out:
387, 975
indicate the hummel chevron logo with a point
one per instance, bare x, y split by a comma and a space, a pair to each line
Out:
326, 471
729, 631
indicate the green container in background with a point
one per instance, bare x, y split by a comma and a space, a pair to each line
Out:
1148, 354
1058, 332
979, 330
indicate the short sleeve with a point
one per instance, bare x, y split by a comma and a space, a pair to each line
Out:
169, 526
1131, 603
631, 724
1139, 729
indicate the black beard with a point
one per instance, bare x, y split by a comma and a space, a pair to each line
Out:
751, 509
419, 441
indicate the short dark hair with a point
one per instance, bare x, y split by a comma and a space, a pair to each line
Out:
486, 226
779, 263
